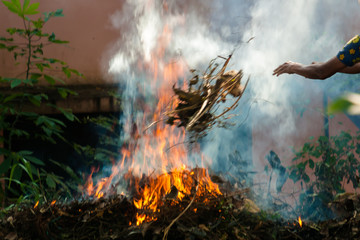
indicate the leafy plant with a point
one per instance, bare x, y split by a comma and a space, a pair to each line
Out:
110, 140
27, 47
323, 168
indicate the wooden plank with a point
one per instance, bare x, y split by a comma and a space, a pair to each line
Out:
89, 98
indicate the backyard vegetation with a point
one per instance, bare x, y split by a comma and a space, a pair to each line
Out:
27, 45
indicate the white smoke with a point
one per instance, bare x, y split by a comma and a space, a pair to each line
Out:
297, 30
141, 23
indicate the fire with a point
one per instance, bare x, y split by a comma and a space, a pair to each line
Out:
53, 202
300, 222
140, 218
36, 204
159, 153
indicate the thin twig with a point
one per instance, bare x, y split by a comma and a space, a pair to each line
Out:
182, 213
152, 124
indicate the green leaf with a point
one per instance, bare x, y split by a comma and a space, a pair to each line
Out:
13, 7
44, 96
66, 71
323, 139
32, 9
59, 41
294, 176
47, 131
57, 13
27, 168
64, 92
51, 37
306, 178
339, 105
311, 164
76, 72
26, 4
35, 99
15, 82
35, 76
24, 153
50, 181
12, 96
11, 31
301, 166
29, 114
35, 160
17, 4
69, 115
38, 50
6, 39
49, 79
15, 174
11, 48
53, 60
38, 24
40, 67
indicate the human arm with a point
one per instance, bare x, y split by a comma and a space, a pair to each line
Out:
352, 70
346, 61
314, 71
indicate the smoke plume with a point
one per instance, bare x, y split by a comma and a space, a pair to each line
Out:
279, 30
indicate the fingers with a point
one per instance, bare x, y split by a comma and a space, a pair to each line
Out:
284, 68
281, 69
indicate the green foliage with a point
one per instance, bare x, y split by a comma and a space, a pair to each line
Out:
22, 167
323, 167
349, 103
109, 140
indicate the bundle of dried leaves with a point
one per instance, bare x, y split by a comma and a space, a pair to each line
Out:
197, 105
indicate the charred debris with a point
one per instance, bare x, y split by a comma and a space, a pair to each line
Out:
230, 215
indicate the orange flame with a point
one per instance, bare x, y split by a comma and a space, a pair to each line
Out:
36, 204
159, 148
300, 222
53, 202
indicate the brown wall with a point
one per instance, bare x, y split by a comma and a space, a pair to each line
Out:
86, 25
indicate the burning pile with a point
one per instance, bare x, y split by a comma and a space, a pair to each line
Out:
171, 177
227, 216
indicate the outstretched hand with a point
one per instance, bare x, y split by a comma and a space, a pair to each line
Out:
285, 68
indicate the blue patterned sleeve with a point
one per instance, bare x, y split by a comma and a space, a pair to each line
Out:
350, 54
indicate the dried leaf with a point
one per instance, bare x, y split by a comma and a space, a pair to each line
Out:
11, 236
203, 227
